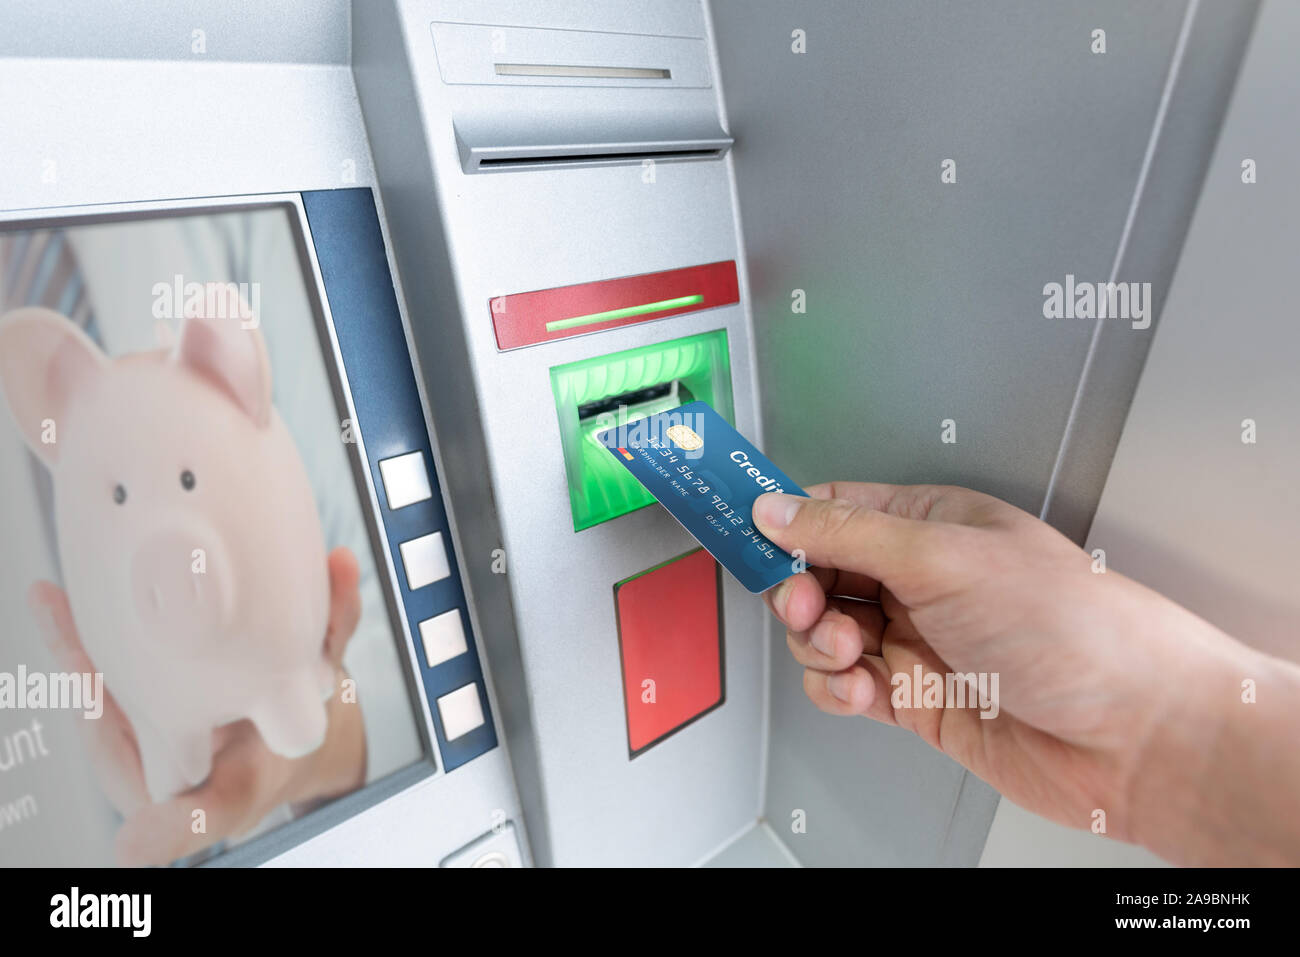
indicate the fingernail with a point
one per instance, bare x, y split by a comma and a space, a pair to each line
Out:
841, 687
776, 509
781, 596
823, 638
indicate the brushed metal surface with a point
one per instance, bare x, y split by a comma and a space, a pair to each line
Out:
464, 239
268, 31
1189, 508
924, 299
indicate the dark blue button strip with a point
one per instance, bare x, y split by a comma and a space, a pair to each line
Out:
359, 287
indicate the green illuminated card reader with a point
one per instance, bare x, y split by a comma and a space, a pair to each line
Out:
604, 391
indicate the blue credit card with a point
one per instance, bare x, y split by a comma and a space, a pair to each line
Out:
708, 475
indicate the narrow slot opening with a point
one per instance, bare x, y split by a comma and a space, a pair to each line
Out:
583, 72
617, 411
489, 162
627, 407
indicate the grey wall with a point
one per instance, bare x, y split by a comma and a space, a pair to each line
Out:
1189, 508
925, 299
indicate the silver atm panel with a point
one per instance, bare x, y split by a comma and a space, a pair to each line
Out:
608, 125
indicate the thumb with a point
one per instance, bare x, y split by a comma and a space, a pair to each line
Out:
900, 553
345, 602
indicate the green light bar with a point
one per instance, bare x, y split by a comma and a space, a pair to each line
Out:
595, 317
599, 487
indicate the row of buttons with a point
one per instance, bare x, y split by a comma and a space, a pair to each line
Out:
345, 229
424, 561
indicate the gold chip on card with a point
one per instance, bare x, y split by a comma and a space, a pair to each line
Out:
684, 436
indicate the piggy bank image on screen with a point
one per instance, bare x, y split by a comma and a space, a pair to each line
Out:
190, 544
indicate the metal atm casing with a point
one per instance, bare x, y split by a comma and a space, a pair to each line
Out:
120, 115
558, 214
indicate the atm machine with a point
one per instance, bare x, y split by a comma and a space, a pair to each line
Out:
399, 260
561, 211
467, 233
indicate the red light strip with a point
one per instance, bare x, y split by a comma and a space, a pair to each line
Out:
520, 318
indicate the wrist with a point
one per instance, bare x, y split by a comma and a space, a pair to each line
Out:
1213, 782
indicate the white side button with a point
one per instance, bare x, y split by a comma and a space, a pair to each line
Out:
406, 480
461, 711
425, 560
443, 637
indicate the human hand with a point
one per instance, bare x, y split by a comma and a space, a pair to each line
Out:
1107, 691
247, 780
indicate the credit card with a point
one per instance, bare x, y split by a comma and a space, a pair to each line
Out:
708, 475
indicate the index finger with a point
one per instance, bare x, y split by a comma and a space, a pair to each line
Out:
903, 554
875, 495
934, 502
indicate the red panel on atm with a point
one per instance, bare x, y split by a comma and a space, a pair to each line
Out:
520, 318
670, 632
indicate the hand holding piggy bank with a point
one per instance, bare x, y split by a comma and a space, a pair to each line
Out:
190, 544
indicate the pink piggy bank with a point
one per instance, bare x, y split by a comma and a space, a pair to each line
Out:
190, 544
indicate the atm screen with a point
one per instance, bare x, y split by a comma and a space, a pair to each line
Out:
201, 645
